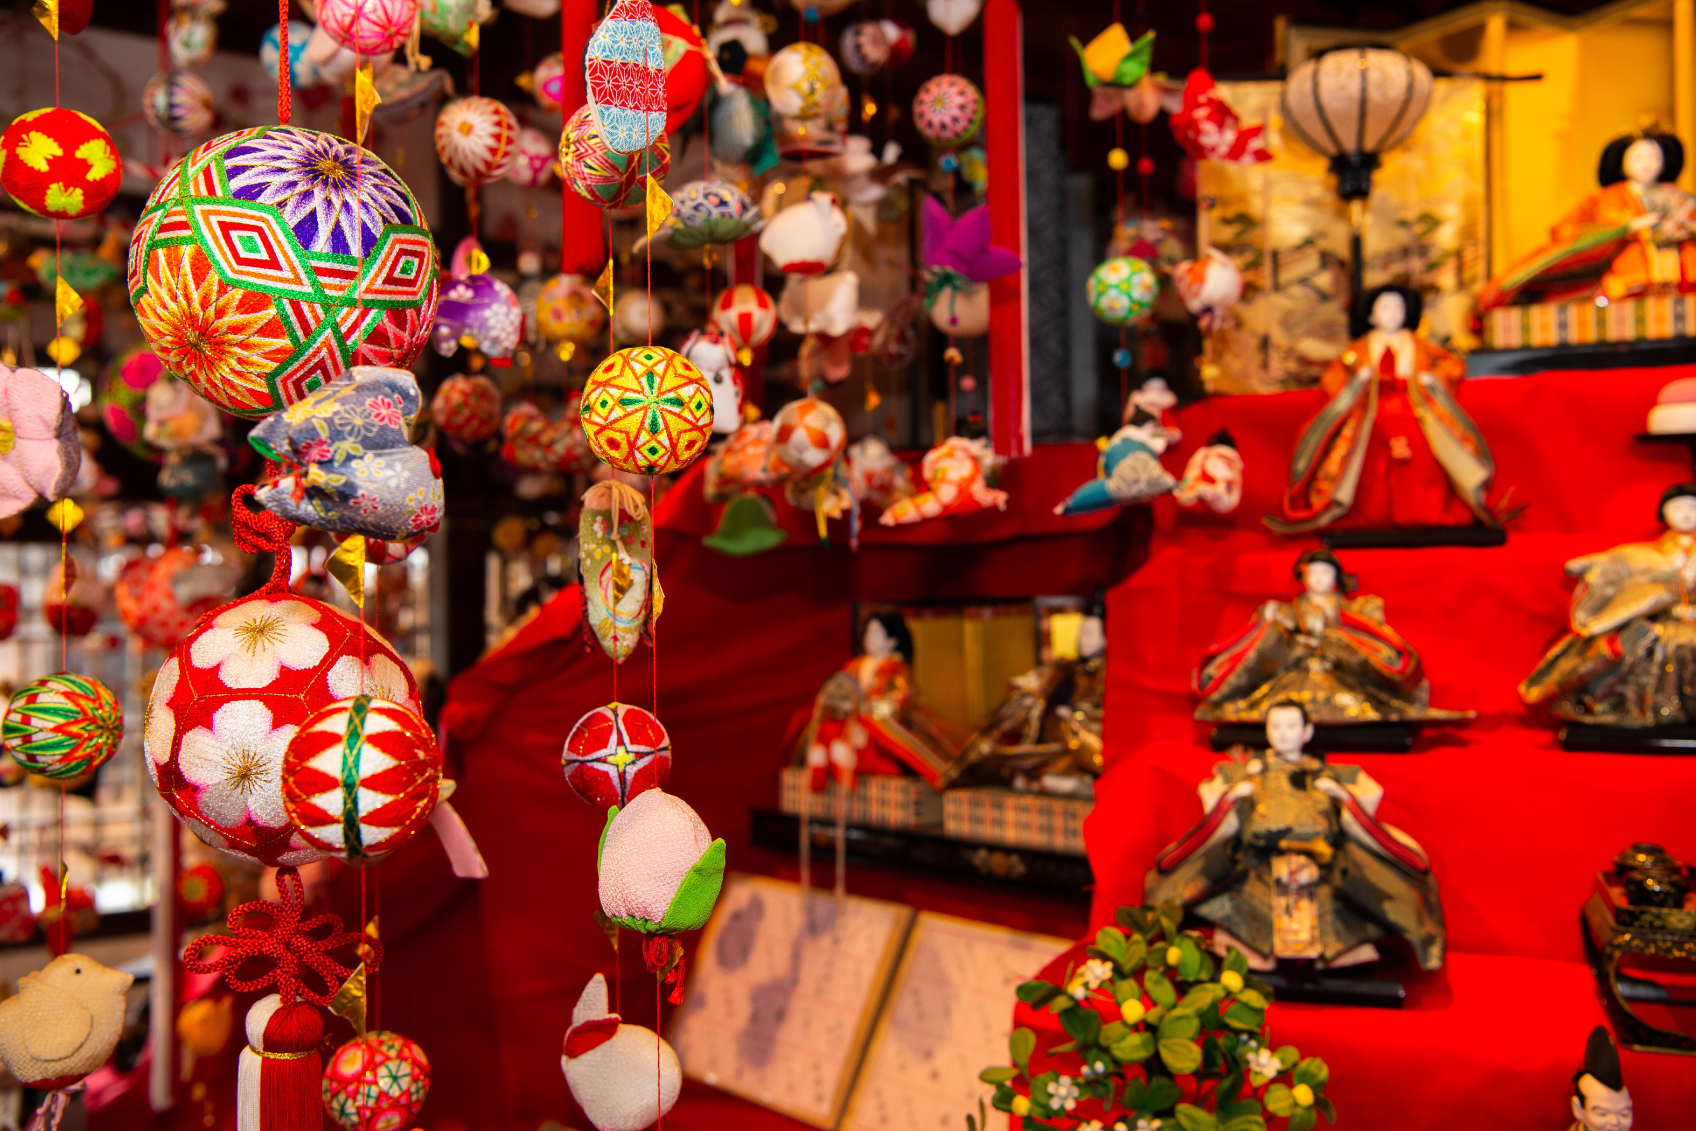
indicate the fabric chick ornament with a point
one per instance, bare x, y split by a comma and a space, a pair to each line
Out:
660, 873
61, 1024
959, 261
956, 480
279, 1077
258, 268
625, 72
40, 450
59, 164
476, 139
647, 410
615, 753
624, 1077
347, 463
616, 564
1128, 471
62, 726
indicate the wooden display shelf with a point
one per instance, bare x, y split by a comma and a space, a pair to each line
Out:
929, 852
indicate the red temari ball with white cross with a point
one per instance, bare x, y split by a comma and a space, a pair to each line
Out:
616, 752
232, 695
360, 777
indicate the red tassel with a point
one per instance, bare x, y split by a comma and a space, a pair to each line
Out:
289, 1090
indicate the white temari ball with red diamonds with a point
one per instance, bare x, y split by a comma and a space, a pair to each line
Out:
232, 694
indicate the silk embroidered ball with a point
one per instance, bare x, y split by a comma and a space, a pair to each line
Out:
948, 110
59, 163
63, 726
533, 161
361, 778
376, 1082
467, 408
601, 175
624, 68
615, 753
647, 410
1122, 290
568, 311
477, 139
178, 102
272, 259
369, 27
747, 314
231, 696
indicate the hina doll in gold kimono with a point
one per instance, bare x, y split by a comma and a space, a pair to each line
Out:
1291, 862
1046, 735
1637, 234
1327, 650
1392, 447
1629, 656
864, 718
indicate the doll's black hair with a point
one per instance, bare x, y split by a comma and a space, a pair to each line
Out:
896, 626
1345, 580
1676, 491
1294, 704
1610, 170
1360, 318
1601, 1063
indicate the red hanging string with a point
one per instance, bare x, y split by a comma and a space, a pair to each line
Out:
285, 73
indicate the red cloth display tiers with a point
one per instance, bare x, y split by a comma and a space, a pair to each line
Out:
1485, 1044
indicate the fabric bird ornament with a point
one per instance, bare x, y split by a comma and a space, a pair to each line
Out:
348, 465
1113, 66
959, 260
1207, 129
624, 1077
62, 1024
956, 475
40, 451
1213, 476
1128, 471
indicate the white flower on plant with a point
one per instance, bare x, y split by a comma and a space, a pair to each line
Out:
251, 643
1090, 1125
1264, 1062
1144, 1123
161, 725
236, 765
1087, 977
1064, 1093
1092, 1071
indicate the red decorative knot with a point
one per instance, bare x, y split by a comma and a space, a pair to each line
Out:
663, 955
258, 531
289, 942
1145, 166
1204, 22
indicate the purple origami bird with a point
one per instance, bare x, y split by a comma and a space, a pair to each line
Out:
963, 244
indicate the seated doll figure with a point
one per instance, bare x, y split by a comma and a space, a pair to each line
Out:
1392, 447
865, 721
1046, 735
1600, 1100
1326, 650
1628, 658
1290, 861
1635, 235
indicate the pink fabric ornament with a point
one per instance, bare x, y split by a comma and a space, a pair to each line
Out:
159, 598
1207, 129
615, 753
547, 83
376, 1082
477, 139
369, 27
39, 448
954, 473
533, 162
624, 1077
948, 110
467, 409
660, 869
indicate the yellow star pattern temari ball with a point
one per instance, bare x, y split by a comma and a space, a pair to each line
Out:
647, 410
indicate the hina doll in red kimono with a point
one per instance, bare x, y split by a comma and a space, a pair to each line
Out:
1392, 447
864, 720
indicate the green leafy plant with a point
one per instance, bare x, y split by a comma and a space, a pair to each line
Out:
1183, 1045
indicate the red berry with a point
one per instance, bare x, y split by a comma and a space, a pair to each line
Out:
1145, 166
1204, 22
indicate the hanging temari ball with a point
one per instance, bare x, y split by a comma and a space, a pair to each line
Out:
802, 81
568, 311
451, 21
625, 72
303, 72
63, 726
948, 110
616, 752
547, 83
533, 162
376, 1082
272, 259
479, 311
1121, 290
747, 314
178, 102
231, 696
360, 778
59, 163
647, 410
467, 408
369, 27
476, 138
598, 174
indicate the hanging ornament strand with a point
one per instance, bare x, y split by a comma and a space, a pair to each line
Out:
285, 70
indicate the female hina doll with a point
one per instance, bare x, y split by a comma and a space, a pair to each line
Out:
1635, 235
1291, 862
865, 722
1328, 651
1629, 656
1392, 447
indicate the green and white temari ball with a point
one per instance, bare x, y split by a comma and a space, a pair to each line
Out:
63, 726
1122, 290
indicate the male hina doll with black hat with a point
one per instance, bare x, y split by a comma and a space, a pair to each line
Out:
1600, 1099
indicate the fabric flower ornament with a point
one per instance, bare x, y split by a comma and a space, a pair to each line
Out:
1207, 129
1113, 65
39, 448
660, 870
959, 260
350, 467
1128, 471
955, 474
624, 1077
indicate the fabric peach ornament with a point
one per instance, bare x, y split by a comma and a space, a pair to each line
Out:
660, 870
624, 1077
39, 448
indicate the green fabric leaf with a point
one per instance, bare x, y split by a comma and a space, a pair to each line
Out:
1234, 960
1253, 999
1133, 919
1202, 996
1089, 76
998, 1075
1134, 65
1134, 1048
1112, 1033
1244, 1123
1021, 1044
1181, 1056
1136, 952
1287, 1056
692, 906
1192, 1118
1326, 1108
600, 845
1312, 1072
1189, 962
1159, 988
1278, 1099
1236, 1108
1226, 1094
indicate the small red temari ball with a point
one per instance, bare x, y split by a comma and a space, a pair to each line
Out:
59, 163
616, 752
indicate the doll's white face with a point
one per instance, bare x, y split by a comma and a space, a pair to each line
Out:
1603, 1108
1389, 312
1680, 514
1092, 638
1642, 162
1321, 577
877, 642
1287, 732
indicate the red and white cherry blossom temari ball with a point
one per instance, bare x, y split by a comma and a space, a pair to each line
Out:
360, 778
616, 752
231, 696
